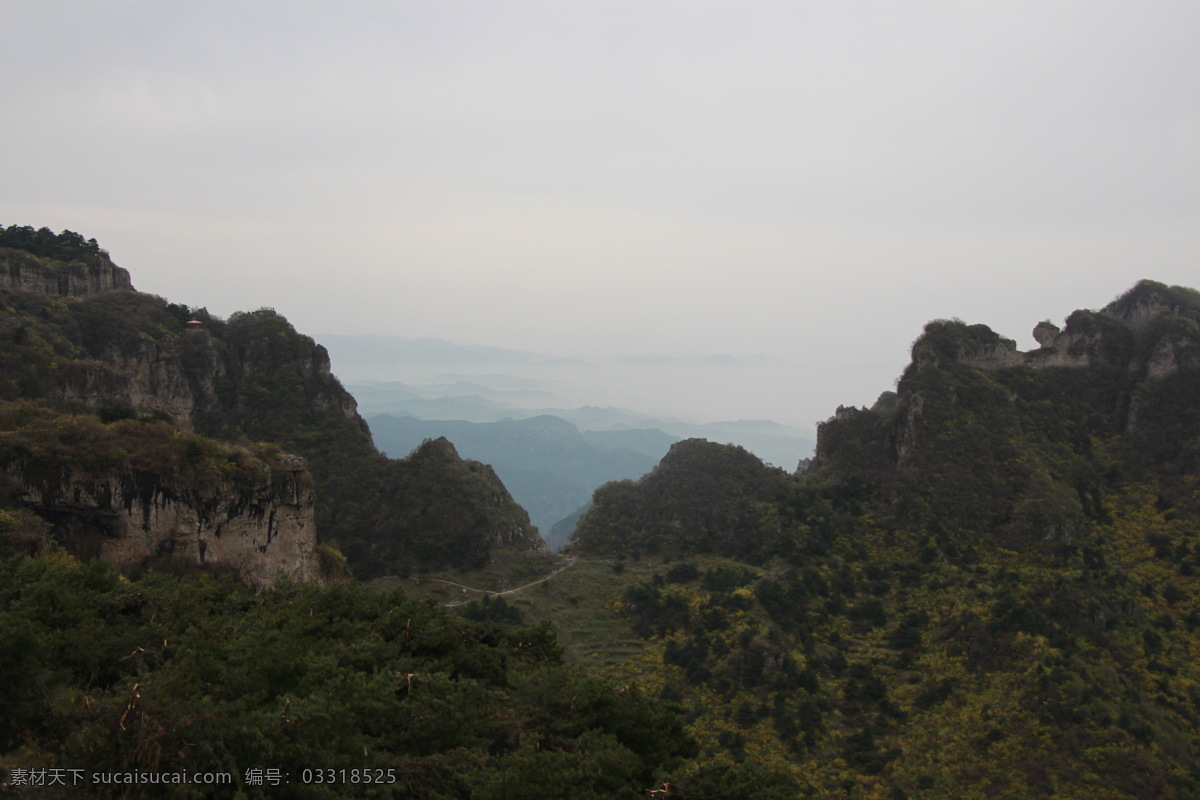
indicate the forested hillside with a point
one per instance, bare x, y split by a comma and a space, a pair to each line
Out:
985, 586
334, 692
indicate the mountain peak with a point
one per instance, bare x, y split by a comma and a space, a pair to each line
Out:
1148, 300
1123, 333
439, 449
702, 497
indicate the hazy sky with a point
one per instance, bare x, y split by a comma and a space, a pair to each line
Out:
810, 181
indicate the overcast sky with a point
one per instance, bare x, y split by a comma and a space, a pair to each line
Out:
810, 181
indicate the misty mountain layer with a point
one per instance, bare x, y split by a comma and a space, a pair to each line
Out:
548, 466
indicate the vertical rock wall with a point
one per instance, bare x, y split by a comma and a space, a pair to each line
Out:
258, 529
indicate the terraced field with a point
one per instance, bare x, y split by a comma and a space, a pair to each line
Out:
580, 598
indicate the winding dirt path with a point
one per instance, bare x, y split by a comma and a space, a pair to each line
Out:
570, 563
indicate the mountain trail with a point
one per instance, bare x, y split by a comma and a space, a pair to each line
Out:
570, 562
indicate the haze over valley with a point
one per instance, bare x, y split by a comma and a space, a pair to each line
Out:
485, 384
556, 428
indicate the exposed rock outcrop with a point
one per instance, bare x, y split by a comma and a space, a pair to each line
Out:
25, 272
1110, 336
258, 531
1090, 338
138, 492
152, 379
1149, 300
971, 406
135, 498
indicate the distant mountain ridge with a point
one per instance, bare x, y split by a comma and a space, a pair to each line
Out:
779, 444
354, 350
437, 379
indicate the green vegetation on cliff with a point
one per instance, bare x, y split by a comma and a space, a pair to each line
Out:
986, 586
251, 378
45, 443
65, 246
702, 497
167, 674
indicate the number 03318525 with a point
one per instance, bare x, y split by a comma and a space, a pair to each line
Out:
348, 776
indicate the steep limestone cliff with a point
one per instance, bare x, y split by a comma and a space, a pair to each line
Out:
25, 272
136, 492
131, 519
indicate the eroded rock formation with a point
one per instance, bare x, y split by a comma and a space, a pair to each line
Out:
258, 531
24, 272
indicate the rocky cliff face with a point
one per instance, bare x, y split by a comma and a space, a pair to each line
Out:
77, 336
207, 376
258, 532
136, 492
980, 433
149, 378
1117, 335
1146, 335
24, 272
